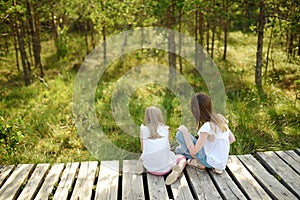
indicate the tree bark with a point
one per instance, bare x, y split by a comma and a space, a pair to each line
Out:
37, 41
171, 43
16, 47
259, 58
20, 36
268, 53
196, 38
103, 30
201, 37
180, 41
226, 29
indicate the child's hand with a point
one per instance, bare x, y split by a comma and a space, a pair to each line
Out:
183, 129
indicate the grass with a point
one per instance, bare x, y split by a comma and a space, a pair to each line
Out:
37, 122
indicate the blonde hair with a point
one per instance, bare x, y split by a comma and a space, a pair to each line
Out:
201, 107
153, 118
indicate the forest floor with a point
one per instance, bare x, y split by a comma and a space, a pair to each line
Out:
37, 122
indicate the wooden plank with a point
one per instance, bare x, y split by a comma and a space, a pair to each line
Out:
269, 182
181, 190
289, 177
156, 187
11, 187
51, 179
66, 181
84, 185
34, 182
245, 180
298, 151
202, 184
291, 158
132, 184
4, 173
108, 180
227, 187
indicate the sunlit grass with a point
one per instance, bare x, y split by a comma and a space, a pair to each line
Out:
43, 111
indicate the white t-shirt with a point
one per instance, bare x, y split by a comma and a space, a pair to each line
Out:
217, 151
156, 155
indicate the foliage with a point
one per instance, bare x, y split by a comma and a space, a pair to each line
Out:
37, 123
10, 137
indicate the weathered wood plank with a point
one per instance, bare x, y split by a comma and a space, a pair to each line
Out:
66, 181
34, 182
11, 187
156, 186
132, 184
246, 181
227, 187
202, 184
85, 181
292, 158
181, 190
4, 173
281, 169
269, 182
108, 180
298, 151
51, 178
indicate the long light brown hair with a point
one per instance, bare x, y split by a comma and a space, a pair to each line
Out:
153, 118
202, 110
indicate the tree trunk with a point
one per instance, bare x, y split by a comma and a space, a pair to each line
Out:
290, 44
259, 58
86, 37
171, 43
92, 33
20, 36
103, 30
196, 38
207, 35
201, 35
226, 30
29, 30
213, 38
299, 46
53, 24
37, 41
268, 52
16, 47
180, 41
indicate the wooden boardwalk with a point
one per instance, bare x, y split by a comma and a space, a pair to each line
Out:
267, 175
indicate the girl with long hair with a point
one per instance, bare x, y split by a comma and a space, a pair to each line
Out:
157, 158
211, 149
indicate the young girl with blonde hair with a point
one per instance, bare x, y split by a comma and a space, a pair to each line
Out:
211, 149
156, 156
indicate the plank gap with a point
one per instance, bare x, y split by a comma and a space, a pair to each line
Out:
95, 181
238, 184
259, 181
120, 185
10, 168
70, 192
146, 189
192, 189
55, 186
210, 173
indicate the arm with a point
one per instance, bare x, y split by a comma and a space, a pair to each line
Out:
231, 137
193, 148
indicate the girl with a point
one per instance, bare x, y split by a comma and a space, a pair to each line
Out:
211, 149
155, 144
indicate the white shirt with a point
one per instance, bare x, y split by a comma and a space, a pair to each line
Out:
156, 155
217, 151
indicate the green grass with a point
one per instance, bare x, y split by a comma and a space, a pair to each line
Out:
37, 122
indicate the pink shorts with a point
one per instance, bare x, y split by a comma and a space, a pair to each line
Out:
179, 158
